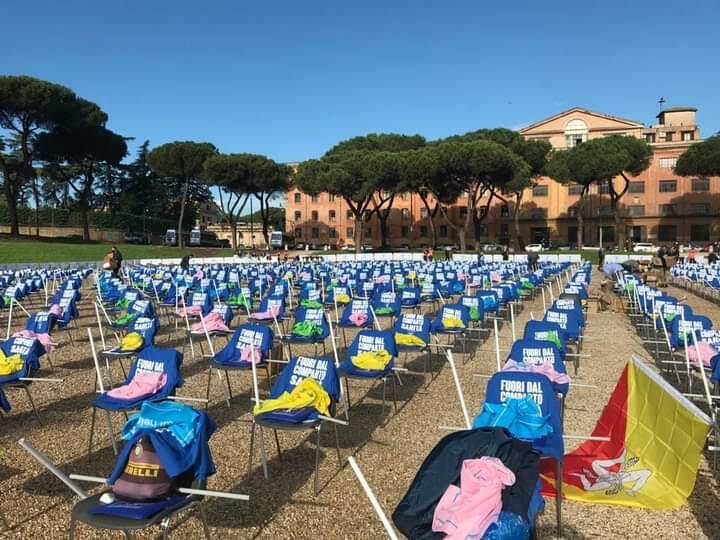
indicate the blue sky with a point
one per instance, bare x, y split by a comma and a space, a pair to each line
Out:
291, 78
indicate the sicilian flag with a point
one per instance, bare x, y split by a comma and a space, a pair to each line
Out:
651, 460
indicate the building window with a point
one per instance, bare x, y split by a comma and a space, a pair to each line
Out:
540, 191
666, 209
405, 231
424, 213
504, 210
403, 196
315, 215
298, 197
699, 208
315, 198
604, 188
331, 197
668, 163
368, 232
668, 136
688, 135
463, 211
331, 215
298, 215
405, 214
701, 184
650, 138
576, 132
573, 211
700, 232
483, 211
349, 232
637, 210
668, 186
423, 231
333, 233
605, 211
667, 233
315, 232
636, 187
349, 215
443, 231
538, 213
575, 189
298, 232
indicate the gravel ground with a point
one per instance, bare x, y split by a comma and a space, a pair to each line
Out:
37, 505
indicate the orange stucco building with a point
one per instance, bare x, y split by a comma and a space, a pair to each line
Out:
659, 205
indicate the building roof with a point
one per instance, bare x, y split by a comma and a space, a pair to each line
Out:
677, 109
633, 123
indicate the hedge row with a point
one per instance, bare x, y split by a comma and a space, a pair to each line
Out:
60, 217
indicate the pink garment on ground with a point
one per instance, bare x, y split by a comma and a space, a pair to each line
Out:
358, 318
45, 339
707, 351
190, 311
144, 383
56, 310
214, 322
271, 313
248, 352
461, 275
495, 277
199, 274
546, 368
467, 511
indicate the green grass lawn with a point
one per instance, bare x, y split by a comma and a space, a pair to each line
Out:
25, 250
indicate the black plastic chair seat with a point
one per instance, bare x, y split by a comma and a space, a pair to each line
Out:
82, 512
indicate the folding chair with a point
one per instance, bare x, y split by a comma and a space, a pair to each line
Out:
356, 314
505, 385
237, 355
386, 303
151, 362
371, 341
189, 465
30, 351
452, 320
324, 372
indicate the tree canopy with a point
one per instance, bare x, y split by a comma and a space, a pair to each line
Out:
701, 159
28, 107
182, 161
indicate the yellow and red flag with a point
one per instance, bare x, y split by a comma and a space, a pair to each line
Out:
651, 460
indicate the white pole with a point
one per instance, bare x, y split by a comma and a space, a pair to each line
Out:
512, 321
373, 500
253, 368
49, 465
95, 360
542, 290
704, 377
497, 344
461, 397
102, 334
12, 303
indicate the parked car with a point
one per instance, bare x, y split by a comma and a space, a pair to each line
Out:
224, 243
347, 247
534, 248
492, 248
644, 247
135, 238
565, 246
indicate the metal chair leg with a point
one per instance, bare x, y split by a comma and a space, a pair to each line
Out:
92, 429
32, 403
317, 459
277, 444
203, 520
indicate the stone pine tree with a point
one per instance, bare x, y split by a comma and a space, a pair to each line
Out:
231, 174
28, 108
79, 157
182, 161
701, 159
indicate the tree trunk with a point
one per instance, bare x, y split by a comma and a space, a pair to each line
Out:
183, 201
233, 231
519, 242
580, 222
36, 195
619, 223
358, 232
461, 238
11, 196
